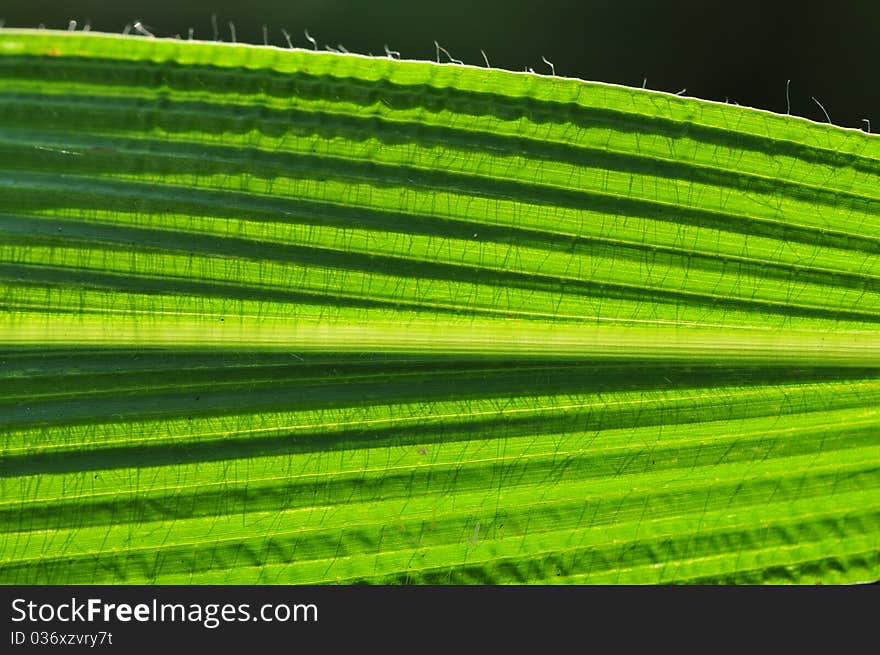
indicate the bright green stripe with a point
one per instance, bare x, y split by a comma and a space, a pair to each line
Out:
219, 303
403, 548
764, 256
484, 89
686, 185
316, 280
471, 215
318, 529
520, 492
648, 456
276, 128
537, 182
515, 338
454, 420
666, 274
813, 181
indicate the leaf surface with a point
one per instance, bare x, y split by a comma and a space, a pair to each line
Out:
282, 316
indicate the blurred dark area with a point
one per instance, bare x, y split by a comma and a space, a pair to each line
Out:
742, 52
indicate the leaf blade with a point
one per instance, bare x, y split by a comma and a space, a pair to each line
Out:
280, 316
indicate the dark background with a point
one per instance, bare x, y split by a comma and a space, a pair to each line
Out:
744, 51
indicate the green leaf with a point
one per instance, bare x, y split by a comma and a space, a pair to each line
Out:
282, 316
